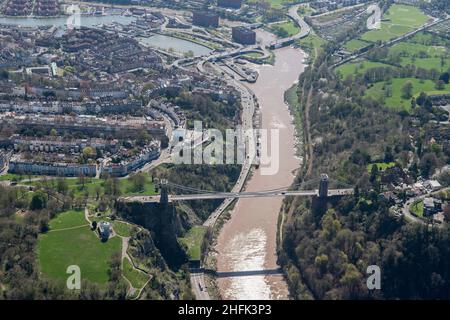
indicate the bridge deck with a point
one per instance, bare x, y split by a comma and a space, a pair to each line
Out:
228, 195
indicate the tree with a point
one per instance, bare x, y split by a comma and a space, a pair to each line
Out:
38, 201
440, 85
321, 263
62, 186
81, 180
89, 152
98, 191
421, 98
351, 280
407, 90
446, 211
138, 180
427, 164
413, 103
445, 77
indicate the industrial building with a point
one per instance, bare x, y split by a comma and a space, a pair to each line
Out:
244, 35
205, 19
234, 4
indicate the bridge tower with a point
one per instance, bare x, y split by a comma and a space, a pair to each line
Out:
323, 186
164, 199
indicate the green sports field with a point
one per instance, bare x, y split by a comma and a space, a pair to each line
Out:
398, 20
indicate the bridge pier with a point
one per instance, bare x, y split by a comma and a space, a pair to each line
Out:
164, 198
323, 186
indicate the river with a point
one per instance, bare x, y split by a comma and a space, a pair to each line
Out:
247, 243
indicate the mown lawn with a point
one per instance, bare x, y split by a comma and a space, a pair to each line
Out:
68, 219
358, 67
397, 101
422, 56
137, 278
290, 27
311, 44
278, 4
193, 240
381, 166
355, 44
59, 249
92, 184
417, 208
121, 228
253, 55
398, 20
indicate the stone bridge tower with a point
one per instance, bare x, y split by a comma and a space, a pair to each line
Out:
323, 186
164, 199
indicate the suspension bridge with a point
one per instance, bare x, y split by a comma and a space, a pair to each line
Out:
191, 194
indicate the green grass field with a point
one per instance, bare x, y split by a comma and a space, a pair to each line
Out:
193, 240
253, 55
396, 101
60, 249
358, 67
426, 57
411, 48
278, 4
91, 184
137, 278
290, 27
417, 209
398, 20
121, 228
311, 44
355, 44
10, 177
381, 166
68, 219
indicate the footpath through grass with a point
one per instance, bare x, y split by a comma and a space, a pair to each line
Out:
137, 278
121, 228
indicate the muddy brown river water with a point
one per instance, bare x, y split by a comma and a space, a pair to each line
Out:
247, 242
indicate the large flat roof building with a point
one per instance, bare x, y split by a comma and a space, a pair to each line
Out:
205, 19
244, 35
235, 4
